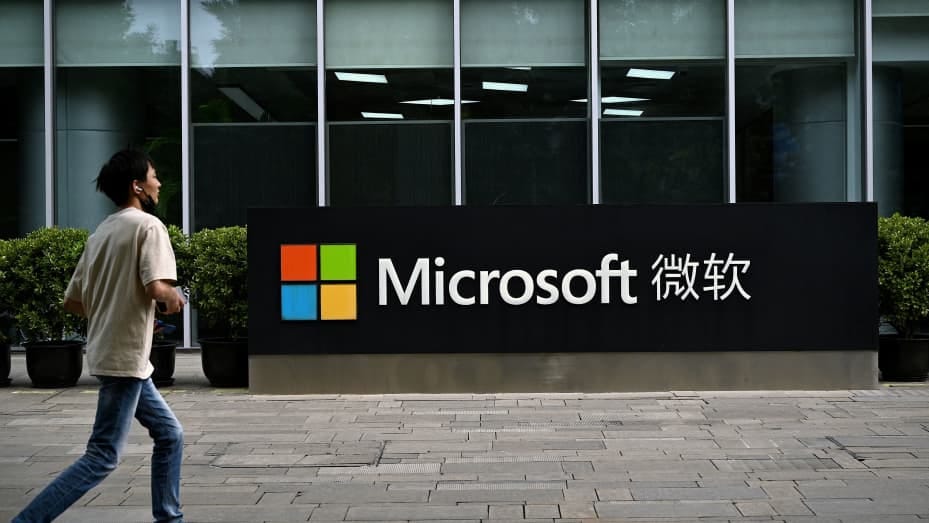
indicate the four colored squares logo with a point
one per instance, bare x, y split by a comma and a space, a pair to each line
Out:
318, 282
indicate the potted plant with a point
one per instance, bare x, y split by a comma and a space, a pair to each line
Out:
6, 314
903, 282
40, 267
220, 295
164, 349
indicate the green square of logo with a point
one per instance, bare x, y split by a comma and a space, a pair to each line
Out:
337, 262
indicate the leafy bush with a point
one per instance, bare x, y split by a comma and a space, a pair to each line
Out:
38, 269
182, 255
903, 271
220, 278
6, 291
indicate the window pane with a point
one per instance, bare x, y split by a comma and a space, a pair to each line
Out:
399, 164
662, 29
663, 98
791, 132
21, 33
108, 33
389, 102
795, 28
525, 162
524, 102
388, 33
900, 8
258, 33
543, 32
22, 124
663, 162
115, 90
239, 166
253, 105
901, 107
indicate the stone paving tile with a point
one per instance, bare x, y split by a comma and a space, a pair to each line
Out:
414, 511
655, 509
814, 456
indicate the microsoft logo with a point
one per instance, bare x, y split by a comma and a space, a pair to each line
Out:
318, 282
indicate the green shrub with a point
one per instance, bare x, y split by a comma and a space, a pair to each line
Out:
220, 278
182, 255
39, 268
6, 291
903, 271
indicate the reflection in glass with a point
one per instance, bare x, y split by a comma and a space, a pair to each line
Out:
662, 131
389, 102
524, 110
790, 132
662, 87
253, 106
22, 126
118, 84
901, 106
795, 61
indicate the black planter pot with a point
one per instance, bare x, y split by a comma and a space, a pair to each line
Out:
54, 364
5, 364
225, 361
903, 359
162, 357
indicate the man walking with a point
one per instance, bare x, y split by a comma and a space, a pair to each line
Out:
127, 266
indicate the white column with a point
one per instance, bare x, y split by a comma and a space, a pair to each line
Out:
594, 103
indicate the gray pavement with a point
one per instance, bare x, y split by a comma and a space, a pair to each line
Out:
809, 456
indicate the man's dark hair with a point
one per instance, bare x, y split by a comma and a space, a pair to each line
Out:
117, 174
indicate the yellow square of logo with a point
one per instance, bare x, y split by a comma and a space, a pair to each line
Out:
338, 302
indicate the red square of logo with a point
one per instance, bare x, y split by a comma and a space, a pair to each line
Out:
298, 262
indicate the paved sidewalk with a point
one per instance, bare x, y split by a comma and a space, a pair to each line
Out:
669, 456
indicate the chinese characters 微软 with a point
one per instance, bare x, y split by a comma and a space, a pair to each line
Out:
676, 276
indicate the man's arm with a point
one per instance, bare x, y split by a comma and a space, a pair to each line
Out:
163, 291
74, 307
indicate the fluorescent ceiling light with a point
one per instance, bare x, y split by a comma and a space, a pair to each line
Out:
652, 74
622, 112
520, 68
615, 99
433, 101
504, 86
621, 99
387, 116
437, 101
361, 77
243, 100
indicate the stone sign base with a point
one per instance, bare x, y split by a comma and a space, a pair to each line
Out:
562, 372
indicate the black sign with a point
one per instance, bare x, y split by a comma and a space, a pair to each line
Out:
563, 279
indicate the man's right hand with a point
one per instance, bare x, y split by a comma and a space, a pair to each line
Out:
163, 291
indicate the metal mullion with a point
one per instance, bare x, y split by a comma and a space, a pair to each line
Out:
595, 196
867, 99
730, 101
456, 50
48, 42
322, 131
185, 144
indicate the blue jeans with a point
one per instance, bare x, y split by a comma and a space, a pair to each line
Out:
119, 400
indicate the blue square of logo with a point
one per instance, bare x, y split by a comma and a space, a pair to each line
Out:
298, 302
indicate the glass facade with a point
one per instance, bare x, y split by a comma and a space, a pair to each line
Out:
523, 85
663, 96
901, 106
796, 103
287, 103
252, 108
22, 127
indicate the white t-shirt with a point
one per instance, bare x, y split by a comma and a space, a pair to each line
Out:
129, 250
